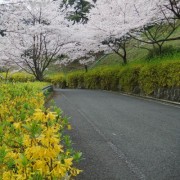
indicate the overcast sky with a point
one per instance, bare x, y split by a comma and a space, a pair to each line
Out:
3, 1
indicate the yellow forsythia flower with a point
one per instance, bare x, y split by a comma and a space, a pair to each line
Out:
69, 127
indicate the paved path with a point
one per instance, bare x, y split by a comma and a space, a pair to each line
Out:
121, 137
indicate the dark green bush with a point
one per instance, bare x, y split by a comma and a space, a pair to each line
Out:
75, 79
109, 79
166, 51
129, 78
57, 80
144, 78
170, 75
156, 76
99, 78
21, 77
92, 79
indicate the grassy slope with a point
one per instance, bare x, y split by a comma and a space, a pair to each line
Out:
135, 55
138, 55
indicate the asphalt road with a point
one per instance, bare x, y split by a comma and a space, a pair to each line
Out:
122, 137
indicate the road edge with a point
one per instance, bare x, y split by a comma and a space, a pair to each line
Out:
177, 104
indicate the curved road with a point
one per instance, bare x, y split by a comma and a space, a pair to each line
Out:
123, 137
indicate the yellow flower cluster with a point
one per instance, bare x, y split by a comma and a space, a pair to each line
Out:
32, 145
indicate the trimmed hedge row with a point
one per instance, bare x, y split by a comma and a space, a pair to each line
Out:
57, 80
102, 78
19, 77
141, 78
145, 77
75, 80
165, 75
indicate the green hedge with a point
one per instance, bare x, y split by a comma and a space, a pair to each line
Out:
100, 78
109, 79
92, 79
154, 76
145, 77
57, 80
128, 78
21, 77
75, 79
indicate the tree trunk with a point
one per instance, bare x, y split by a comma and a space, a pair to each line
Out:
39, 75
160, 49
124, 54
124, 59
86, 68
7, 72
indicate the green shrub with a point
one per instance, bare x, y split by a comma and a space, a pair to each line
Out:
75, 79
166, 51
57, 80
100, 78
170, 75
21, 77
128, 78
156, 76
133, 78
92, 79
109, 79
2, 75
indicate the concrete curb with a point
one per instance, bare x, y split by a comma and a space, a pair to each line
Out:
147, 97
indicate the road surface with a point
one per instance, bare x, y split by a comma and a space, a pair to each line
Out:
122, 137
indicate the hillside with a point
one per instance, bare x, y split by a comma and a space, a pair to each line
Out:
171, 51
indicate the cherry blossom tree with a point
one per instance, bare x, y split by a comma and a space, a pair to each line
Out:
165, 24
110, 23
36, 32
174, 6
108, 28
84, 49
113, 24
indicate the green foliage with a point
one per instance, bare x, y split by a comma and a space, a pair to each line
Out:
132, 78
21, 77
166, 51
80, 10
148, 78
99, 78
92, 79
31, 136
108, 78
129, 78
75, 79
56, 80
160, 75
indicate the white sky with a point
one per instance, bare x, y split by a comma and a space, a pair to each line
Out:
3, 1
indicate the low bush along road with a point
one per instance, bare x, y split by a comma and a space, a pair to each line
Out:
123, 137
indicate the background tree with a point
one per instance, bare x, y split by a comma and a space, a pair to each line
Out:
174, 6
79, 10
157, 35
162, 29
36, 33
110, 23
